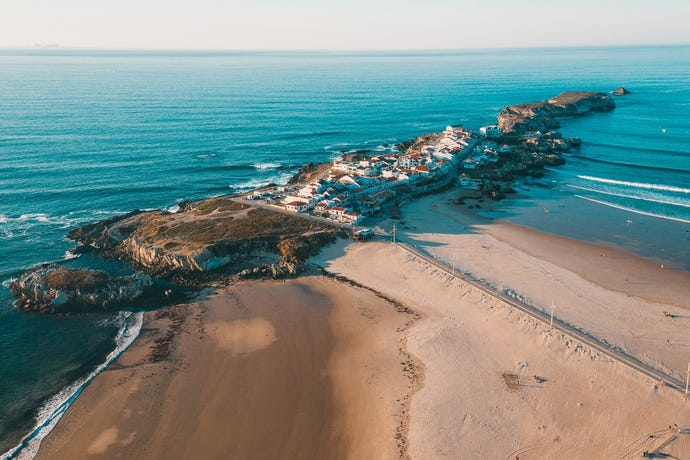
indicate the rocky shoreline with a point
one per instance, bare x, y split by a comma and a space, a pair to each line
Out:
213, 241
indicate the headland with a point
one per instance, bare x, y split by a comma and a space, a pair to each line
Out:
391, 353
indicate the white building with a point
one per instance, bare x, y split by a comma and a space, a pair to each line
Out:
490, 131
297, 206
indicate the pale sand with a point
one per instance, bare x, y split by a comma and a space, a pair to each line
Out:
612, 294
309, 368
251, 380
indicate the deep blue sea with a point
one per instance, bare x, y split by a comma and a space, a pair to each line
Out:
85, 135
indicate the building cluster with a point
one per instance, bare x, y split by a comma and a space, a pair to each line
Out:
353, 189
485, 153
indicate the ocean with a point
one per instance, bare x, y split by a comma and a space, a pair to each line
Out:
89, 134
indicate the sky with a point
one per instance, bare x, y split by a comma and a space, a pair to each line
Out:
340, 24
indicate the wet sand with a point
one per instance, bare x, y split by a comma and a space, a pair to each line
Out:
308, 368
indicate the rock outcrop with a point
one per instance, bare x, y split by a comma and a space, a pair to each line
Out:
620, 91
61, 290
207, 236
542, 116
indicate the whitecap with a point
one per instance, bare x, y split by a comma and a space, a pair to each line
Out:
69, 256
263, 166
663, 187
649, 197
7, 282
38, 217
634, 211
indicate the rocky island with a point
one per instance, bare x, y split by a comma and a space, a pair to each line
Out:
272, 231
542, 116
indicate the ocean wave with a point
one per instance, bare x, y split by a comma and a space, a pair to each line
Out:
264, 166
635, 211
653, 198
6, 283
19, 225
666, 152
55, 407
631, 165
69, 256
666, 188
38, 217
280, 179
310, 135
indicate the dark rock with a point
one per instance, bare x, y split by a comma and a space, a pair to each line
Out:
620, 91
217, 237
306, 172
541, 116
61, 290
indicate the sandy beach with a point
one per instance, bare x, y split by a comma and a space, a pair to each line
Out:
308, 368
415, 364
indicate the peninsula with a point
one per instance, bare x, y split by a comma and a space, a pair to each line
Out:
272, 231
436, 346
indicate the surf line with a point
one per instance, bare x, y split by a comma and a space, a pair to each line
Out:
635, 211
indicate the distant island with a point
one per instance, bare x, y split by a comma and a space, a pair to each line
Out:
273, 230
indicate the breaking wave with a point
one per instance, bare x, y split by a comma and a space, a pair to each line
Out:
635, 211
666, 188
51, 412
655, 198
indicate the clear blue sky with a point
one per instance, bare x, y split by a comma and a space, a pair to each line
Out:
340, 24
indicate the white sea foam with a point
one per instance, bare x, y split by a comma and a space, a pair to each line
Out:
51, 412
4, 219
635, 211
38, 217
70, 256
264, 166
255, 183
654, 198
7, 282
667, 188
174, 209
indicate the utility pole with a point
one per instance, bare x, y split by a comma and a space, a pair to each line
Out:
687, 381
553, 307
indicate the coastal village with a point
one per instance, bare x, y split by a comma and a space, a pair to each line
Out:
355, 186
352, 188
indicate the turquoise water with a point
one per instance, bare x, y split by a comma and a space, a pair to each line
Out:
86, 135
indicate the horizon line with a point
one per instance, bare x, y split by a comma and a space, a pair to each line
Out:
58, 47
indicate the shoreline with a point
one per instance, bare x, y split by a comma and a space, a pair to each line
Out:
345, 259
347, 382
53, 409
501, 239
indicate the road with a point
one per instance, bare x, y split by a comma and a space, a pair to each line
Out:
559, 325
